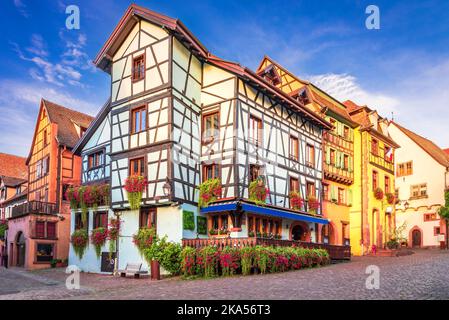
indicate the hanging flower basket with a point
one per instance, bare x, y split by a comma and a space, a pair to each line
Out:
103, 193
296, 202
98, 239
71, 195
313, 204
144, 238
79, 240
258, 191
135, 186
391, 199
379, 194
113, 234
210, 191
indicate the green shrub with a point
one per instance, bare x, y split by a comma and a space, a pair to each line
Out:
247, 257
201, 225
188, 220
209, 261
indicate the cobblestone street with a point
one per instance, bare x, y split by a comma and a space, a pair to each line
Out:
422, 275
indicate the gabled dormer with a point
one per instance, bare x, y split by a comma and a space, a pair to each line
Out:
270, 75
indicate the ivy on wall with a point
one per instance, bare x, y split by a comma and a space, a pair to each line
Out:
188, 220
201, 222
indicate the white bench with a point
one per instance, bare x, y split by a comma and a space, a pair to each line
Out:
134, 269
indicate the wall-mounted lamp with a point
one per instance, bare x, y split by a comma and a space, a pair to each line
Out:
166, 187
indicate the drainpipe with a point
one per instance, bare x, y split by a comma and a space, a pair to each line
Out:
361, 185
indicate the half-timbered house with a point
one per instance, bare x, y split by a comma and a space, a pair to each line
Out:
180, 116
39, 229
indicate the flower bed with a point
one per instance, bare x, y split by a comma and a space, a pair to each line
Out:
209, 262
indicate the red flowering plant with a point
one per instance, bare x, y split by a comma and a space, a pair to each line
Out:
258, 192
144, 238
379, 193
210, 191
103, 194
229, 261
79, 240
135, 186
296, 202
113, 234
71, 195
188, 261
98, 239
313, 204
209, 256
391, 199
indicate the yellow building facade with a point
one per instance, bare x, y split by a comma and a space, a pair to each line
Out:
372, 214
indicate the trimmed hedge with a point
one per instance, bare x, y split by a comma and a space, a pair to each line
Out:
188, 220
209, 262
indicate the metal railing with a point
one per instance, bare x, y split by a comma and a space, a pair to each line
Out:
36, 207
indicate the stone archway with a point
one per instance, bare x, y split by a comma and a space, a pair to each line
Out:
299, 231
415, 237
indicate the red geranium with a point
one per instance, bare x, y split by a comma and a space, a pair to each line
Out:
135, 183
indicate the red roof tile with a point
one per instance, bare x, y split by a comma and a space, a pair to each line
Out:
13, 166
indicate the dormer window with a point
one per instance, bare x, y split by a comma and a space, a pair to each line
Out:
138, 68
82, 131
301, 96
270, 74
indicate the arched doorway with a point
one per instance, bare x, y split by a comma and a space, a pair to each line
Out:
20, 249
300, 232
328, 234
416, 238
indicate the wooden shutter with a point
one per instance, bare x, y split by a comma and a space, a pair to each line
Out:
349, 197
51, 230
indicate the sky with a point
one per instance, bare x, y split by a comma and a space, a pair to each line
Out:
400, 69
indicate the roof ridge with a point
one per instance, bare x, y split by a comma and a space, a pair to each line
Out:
65, 108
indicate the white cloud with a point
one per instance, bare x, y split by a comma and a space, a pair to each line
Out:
344, 87
21, 7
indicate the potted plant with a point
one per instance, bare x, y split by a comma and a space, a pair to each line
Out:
213, 232
210, 191
313, 204
98, 239
53, 263
79, 240
135, 186
296, 202
258, 191
379, 193
391, 199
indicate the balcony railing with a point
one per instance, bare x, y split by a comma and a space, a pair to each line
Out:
381, 162
36, 207
335, 252
337, 140
338, 174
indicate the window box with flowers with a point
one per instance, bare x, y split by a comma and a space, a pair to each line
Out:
379, 194
258, 191
391, 198
210, 191
296, 202
98, 239
135, 186
313, 204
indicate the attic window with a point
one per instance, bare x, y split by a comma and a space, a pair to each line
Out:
270, 74
82, 131
138, 68
301, 96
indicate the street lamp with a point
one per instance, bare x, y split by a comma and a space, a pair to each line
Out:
166, 187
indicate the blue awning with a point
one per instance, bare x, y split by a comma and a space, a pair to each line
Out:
267, 211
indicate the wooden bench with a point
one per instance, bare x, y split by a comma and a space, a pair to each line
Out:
134, 269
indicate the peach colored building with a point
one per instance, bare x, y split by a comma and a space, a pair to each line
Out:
39, 230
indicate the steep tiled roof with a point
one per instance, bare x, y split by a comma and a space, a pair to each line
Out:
13, 166
66, 120
440, 155
12, 182
446, 151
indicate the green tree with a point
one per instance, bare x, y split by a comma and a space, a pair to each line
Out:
444, 214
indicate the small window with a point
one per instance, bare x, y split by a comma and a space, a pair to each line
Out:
45, 166
294, 184
44, 252
95, 160
40, 229
255, 171
255, 131
51, 230
419, 190
345, 162
211, 127
436, 231
375, 180
311, 189
137, 167
211, 171
294, 148
387, 184
346, 132
138, 119
374, 147
310, 154
38, 169
409, 168
400, 170
147, 218
325, 192
100, 220
138, 72
341, 196
332, 157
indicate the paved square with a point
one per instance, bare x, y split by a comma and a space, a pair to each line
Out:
423, 275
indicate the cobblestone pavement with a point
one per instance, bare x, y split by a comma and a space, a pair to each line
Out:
423, 275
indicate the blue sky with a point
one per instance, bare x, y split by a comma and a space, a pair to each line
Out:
403, 67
